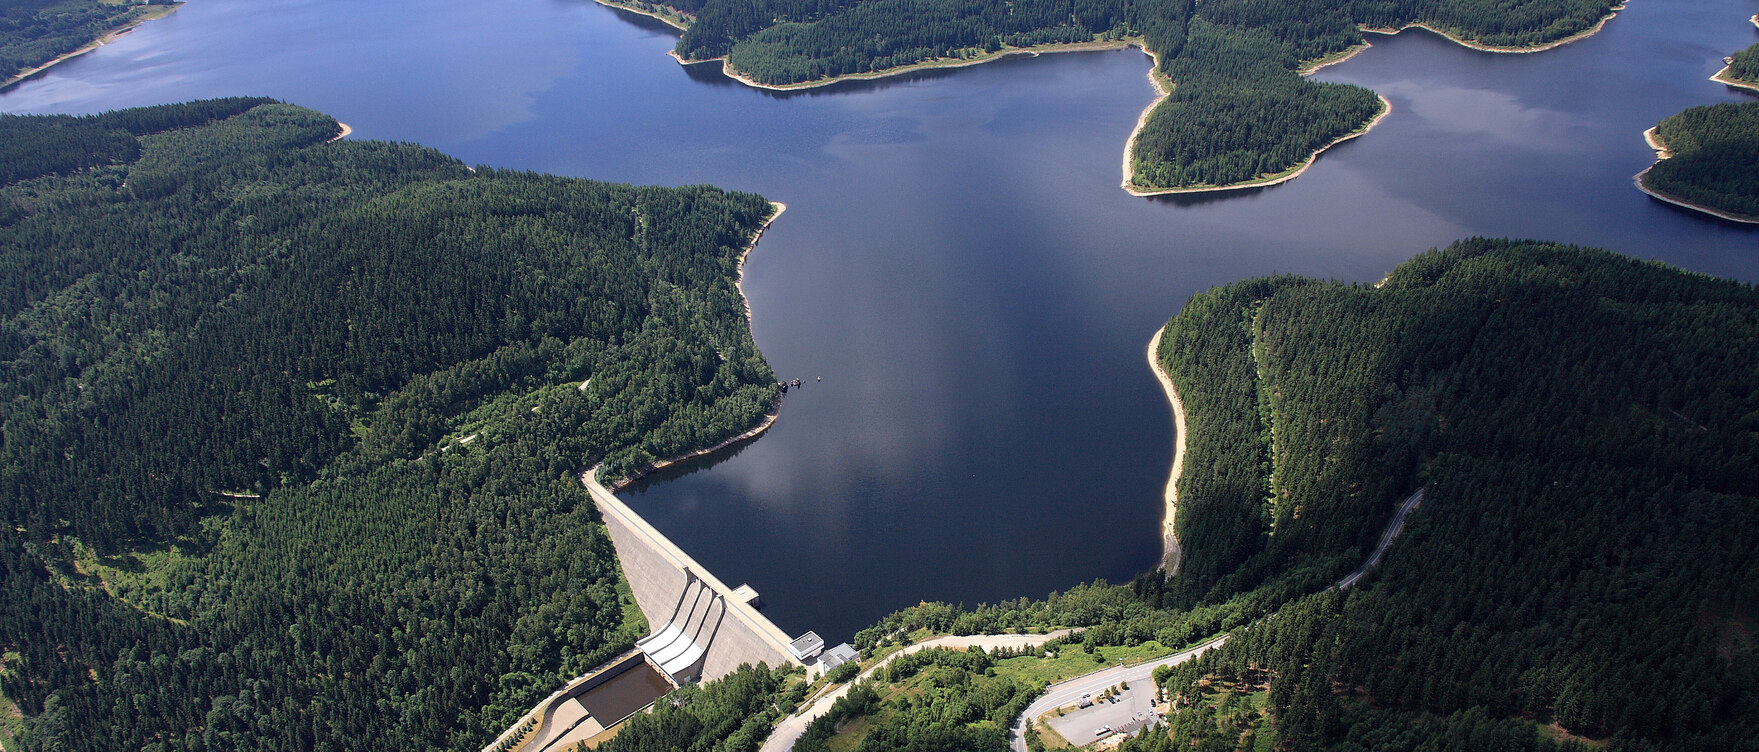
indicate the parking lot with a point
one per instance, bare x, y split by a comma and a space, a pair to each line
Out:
1124, 713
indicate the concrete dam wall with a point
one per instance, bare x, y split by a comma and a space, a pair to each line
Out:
701, 629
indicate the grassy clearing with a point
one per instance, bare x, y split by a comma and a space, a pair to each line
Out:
11, 718
851, 735
1073, 660
1052, 739
154, 578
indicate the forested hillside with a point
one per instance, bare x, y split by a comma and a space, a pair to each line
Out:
1238, 112
1714, 161
34, 32
1579, 575
290, 425
1587, 429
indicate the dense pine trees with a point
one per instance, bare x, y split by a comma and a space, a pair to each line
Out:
33, 32
1745, 66
1715, 161
291, 426
1584, 425
1238, 111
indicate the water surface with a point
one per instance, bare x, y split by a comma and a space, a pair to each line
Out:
957, 262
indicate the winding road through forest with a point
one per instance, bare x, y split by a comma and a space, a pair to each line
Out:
1068, 691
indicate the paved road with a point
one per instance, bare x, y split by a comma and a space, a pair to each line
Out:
1386, 539
1069, 692
1065, 693
1129, 710
789, 730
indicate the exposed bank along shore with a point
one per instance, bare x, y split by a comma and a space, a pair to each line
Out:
678, 21
1725, 76
1386, 108
1662, 152
1170, 552
1463, 42
769, 418
729, 71
1162, 85
153, 12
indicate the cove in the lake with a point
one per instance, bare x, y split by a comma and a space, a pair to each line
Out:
957, 261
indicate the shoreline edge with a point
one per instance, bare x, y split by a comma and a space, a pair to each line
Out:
1662, 152
1170, 550
108, 37
769, 418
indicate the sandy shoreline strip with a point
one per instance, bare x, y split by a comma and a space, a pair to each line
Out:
1170, 551
729, 71
150, 15
1164, 87
344, 134
1467, 43
1662, 152
1723, 77
1309, 69
1652, 137
769, 418
1314, 66
655, 15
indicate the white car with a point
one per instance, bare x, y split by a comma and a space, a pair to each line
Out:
1102, 731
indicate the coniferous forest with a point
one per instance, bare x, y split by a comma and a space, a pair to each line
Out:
1238, 111
291, 425
1745, 65
1714, 161
291, 429
1578, 576
1584, 426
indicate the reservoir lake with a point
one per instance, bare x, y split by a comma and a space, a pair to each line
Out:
957, 262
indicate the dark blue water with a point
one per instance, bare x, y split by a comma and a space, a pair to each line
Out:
957, 261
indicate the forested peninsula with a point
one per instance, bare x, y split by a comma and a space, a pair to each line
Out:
291, 424
1236, 110
1708, 160
1743, 67
36, 34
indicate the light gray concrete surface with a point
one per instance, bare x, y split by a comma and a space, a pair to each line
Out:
1133, 704
670, 587
1069, 692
